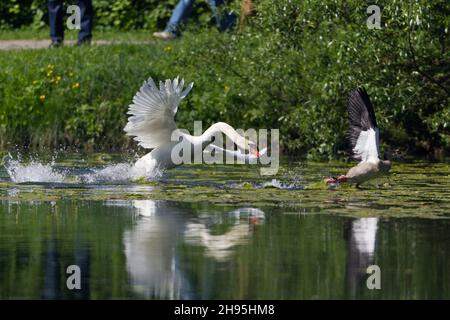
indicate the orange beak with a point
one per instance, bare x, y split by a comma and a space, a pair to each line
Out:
255, 152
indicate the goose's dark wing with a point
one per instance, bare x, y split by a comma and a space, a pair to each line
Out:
363, 132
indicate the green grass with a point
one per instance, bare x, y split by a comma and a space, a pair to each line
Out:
72, 96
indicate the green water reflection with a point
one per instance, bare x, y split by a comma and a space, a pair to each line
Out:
165, 249
225, 232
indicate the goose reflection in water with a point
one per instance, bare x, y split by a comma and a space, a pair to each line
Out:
152, 259
360, 236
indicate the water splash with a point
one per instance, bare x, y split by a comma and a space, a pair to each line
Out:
115, 173
275, 183
35, 171
294, 184
32, 172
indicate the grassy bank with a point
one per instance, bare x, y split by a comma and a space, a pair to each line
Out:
291, 68
71, 96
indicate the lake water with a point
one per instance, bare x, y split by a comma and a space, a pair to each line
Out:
222, 232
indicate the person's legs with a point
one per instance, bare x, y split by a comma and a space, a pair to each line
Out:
180, 13
87, 13
225, 21
55, 14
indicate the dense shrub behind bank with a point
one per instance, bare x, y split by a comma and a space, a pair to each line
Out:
291, 68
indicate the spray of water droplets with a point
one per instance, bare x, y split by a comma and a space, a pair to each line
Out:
35, 171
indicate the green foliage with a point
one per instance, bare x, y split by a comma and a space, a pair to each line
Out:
295, 63
15, 13
291, 68
108, 14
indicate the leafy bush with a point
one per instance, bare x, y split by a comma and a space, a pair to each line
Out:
15, 13
295, 63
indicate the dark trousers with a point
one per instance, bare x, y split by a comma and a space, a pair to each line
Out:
183, 10
56, 16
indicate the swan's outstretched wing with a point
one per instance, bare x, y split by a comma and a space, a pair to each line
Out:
363, 131
153, 111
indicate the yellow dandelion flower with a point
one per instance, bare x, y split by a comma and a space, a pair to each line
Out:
49, 73
50, 66
42, 98
71, 74
58, 78
75, 85
168, 49
35, 82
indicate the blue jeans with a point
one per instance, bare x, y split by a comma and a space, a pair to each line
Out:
56, 14
183, 10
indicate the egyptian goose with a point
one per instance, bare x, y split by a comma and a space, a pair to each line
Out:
363, 134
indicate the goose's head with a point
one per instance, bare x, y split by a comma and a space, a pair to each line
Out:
386, 164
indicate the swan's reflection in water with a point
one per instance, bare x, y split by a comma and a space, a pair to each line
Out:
152, 259
150, 250
220, 246
361, 235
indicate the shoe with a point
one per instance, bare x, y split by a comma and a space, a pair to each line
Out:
164, 35
83, 42
56, 44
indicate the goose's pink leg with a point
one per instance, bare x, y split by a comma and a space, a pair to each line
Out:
331, 180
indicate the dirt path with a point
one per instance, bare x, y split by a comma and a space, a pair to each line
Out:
39, 44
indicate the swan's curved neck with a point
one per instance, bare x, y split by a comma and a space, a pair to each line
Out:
222, 127
219, 127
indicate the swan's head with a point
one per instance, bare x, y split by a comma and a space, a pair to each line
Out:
247, 145
253, 149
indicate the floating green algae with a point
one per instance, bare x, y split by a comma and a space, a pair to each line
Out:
414, 189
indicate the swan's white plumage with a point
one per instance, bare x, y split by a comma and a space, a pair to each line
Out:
153, 110
367, 145
152, 124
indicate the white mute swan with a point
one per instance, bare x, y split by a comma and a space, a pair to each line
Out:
152, 124
363, 134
